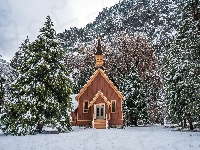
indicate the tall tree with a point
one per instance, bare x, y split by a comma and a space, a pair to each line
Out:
42, 90
135, 103
2, 81
183, 67
7, 75
2, 91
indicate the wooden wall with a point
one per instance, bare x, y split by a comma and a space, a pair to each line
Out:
100, 84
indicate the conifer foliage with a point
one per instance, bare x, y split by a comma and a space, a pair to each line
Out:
135, 103
2, 91
183, 68
7, 75
2, 81
42, 91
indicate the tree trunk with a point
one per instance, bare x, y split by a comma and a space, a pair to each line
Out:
162, 121
39, 127
182, 123
127, 120
191, 125
135, 122
185, 124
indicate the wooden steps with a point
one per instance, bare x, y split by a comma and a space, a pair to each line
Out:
100, 124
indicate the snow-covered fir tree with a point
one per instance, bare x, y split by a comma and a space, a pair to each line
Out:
42, 91
183, 68
135, 103
7, 75
2, 82
2, 91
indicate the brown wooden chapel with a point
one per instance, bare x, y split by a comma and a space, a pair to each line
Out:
99, 101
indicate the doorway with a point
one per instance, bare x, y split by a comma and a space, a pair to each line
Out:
100, 112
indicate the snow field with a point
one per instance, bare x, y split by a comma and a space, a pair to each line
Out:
130, 138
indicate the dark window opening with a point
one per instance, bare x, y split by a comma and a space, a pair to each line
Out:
101, 111
97, 111
85, 106
113, 106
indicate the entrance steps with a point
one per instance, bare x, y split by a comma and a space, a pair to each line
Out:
100, 124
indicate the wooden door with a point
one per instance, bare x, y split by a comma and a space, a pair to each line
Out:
100, 112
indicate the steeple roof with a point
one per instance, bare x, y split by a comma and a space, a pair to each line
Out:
99, 50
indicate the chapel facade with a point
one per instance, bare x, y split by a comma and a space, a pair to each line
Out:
99, 101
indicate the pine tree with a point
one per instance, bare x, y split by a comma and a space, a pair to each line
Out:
2, 92
183, 68
80, 79
7, 75
134, 105
42, 91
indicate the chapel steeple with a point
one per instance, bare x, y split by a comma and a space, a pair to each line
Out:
99, 55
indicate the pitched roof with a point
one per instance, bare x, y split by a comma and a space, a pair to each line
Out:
99, 71
99, 50
99, 93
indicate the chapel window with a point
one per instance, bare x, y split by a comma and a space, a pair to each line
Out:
113, 106
85, 106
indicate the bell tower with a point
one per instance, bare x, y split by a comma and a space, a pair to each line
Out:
99, 55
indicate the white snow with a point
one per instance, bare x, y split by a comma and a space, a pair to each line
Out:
74, 102
137, 138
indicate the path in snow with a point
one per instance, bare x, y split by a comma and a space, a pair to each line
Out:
131, 138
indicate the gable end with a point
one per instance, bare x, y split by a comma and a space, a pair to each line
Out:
92, 79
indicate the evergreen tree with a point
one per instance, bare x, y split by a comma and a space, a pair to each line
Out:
2, 92
183, 67
134, 105
81, 78
2, 82
7, 75
42, 91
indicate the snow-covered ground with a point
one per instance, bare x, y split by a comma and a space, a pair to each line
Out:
131, 138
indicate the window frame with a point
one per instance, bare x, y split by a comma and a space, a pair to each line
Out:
112, 106
84, 106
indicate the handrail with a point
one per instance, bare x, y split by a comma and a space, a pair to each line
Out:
106, 122
93, 121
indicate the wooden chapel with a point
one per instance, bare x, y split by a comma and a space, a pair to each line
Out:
99, 101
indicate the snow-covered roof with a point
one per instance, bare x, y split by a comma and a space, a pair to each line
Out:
99, 93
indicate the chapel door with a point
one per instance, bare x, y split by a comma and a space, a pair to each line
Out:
100, 112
